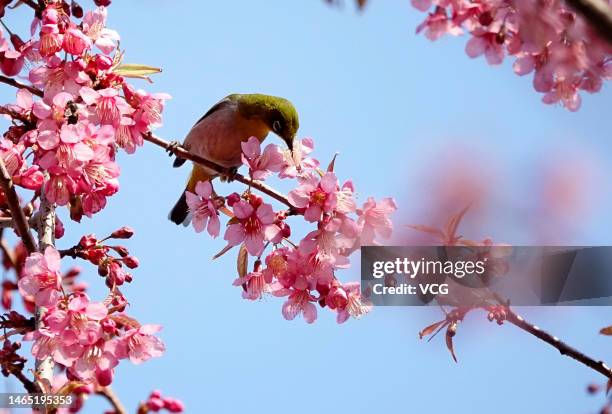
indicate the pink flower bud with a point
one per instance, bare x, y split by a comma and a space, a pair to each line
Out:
88, 241
123, 233
109, 326
155, 404
155, 394
72, 272
232, 199
11, 62
103, 62
122, 251
59, 228
131, 262
174, 406
104, 377
76, 10
103, 269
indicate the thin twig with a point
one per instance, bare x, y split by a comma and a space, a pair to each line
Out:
19, 85
28, 384
112, 398
561, 346
183, 153
597, 13
21, 223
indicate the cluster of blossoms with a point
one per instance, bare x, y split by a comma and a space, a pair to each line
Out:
303, 271
86, 338
545, 37
87, 112
67, 126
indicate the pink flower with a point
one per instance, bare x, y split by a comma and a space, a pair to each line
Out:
255, 284
374, 219
75, 42
60, 187
354, 305
203, 209
110, 108
297, 162
316, 196
299, 302
491, 44
94, 26
62, 77
50, 40
148, 107
41, 277
256, 224
438, 24
139, 345
261, 166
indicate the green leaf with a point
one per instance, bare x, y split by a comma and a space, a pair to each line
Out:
135, 70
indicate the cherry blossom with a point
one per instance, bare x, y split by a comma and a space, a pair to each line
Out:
546, 38
203, 209
256, 224
261, 165
41, 277
374, 219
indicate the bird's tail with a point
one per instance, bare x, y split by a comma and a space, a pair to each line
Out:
180, 212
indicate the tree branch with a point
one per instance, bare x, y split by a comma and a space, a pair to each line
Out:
183, 153
112, 398
21, 223
46, 238
597, 13
19, 85
561, 346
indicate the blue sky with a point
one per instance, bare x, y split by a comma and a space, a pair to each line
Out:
390, 102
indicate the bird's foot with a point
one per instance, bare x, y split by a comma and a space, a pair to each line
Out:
231, 176
172, 146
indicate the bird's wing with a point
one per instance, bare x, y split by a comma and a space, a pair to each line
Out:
228, 100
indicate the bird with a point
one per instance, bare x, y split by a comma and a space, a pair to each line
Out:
218, 134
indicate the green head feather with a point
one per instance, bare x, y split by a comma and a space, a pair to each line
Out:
278, 113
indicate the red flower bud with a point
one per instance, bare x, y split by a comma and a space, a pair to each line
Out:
102, 3
88, 241
76, 9
131, 262
232, 199
174, 406
122, 233
59, 228
121, 251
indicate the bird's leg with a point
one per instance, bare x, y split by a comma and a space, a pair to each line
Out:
231, 174
172, 146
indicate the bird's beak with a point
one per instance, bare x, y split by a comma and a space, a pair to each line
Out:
289, 143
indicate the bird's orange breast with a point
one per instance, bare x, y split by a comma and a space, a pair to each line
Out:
218, 136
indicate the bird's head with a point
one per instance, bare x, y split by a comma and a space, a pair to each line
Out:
279, 114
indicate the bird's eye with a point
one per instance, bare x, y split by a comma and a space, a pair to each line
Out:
276, 126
